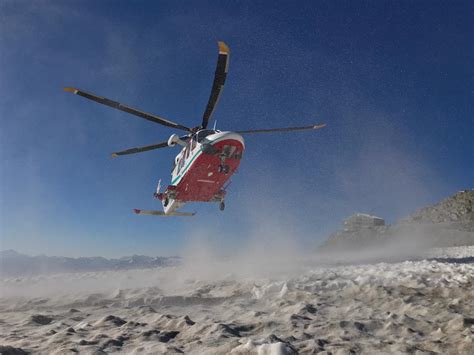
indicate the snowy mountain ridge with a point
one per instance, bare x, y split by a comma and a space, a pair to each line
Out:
13, 263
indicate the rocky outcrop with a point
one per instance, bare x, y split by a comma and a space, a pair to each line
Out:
447, 223
359, 230
362, 220
457, 208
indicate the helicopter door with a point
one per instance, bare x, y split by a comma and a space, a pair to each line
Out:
180, 163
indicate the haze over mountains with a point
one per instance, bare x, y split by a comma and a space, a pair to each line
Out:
447, 223
13, 263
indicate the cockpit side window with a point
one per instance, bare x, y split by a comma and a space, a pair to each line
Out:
175, 163
188, 149
203, 134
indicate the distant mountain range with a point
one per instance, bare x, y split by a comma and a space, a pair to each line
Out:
13, 263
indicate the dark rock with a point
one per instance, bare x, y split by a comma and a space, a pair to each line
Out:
123, 338
189, 321
272, 338
113, 342
10, 350
41, 319
468, 322
322, 342
309, 308
87, 342
235, 330
299, 317
227, 331
343, 323
171, 334
244, 328
149, 333
360, 326
115, 320
165, 337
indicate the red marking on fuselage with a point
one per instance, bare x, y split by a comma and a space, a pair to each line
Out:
203, 181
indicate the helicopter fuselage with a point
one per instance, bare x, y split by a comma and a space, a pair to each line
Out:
209, 157
202, 168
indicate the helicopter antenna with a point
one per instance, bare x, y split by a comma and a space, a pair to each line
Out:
215, 124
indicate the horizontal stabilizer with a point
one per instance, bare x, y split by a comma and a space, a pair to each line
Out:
161, 213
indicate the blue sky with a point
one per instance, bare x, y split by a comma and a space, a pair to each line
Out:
393, 80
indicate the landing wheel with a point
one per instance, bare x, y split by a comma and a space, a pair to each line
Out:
166, 201
222, 206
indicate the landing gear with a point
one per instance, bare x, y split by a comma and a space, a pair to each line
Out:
222, 206
166, 201
223, 169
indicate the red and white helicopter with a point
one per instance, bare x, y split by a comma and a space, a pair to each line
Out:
208, 157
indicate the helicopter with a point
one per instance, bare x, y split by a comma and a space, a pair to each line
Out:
208, 157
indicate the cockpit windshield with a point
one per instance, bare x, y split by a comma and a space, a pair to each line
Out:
203, 134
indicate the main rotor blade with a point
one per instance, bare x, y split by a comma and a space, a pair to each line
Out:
145, 148
288, 129
128, 109
140, 149
218, 84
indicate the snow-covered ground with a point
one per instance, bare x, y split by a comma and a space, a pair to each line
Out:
416, 306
